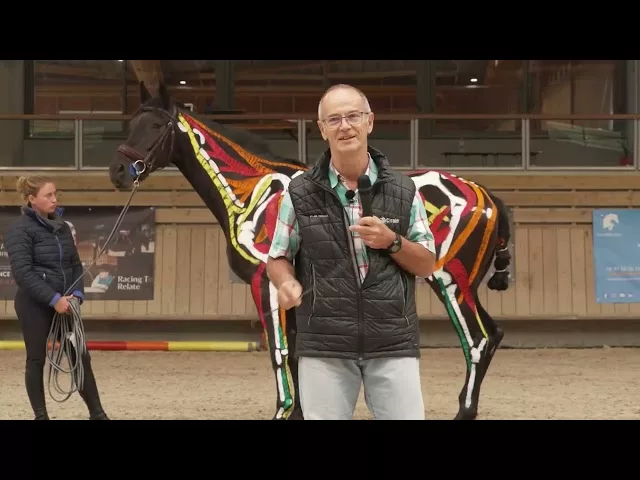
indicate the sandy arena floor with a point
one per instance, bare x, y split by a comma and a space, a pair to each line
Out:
522, 384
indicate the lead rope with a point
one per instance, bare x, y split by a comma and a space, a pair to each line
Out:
66, 337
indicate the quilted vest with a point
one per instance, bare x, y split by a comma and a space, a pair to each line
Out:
342, 317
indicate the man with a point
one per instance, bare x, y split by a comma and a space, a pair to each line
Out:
356, 321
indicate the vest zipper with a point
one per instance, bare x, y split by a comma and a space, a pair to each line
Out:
313, 293
356, 270
405, 289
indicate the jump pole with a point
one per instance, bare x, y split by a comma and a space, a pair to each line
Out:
154, 346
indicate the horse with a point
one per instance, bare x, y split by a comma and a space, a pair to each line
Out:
241, 182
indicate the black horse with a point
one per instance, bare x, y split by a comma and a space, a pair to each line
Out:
241, 181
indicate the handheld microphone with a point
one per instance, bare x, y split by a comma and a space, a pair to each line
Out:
364, 189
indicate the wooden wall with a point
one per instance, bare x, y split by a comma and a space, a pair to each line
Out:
553, 248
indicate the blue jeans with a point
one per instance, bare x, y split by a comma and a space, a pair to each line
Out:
329, 388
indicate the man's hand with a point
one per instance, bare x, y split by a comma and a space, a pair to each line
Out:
374, 233
290, 294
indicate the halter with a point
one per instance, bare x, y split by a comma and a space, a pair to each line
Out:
140, 163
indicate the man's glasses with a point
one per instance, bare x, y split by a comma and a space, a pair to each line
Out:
353, 118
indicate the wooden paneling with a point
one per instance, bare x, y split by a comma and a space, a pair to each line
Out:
553, 253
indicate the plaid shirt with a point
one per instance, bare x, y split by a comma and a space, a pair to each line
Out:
286, 239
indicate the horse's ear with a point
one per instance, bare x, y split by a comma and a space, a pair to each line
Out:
144, 93
165, 97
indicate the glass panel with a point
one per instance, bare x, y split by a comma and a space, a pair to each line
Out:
192, 82
296, 86
465, 87
580, 87
582, 143
498, 145
391, 137
18, 148
100, 139
76, 87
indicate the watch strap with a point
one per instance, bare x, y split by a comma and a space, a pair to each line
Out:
395, 245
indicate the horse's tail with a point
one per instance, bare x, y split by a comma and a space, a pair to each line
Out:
500, 279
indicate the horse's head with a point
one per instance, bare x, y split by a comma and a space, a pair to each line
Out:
150, 145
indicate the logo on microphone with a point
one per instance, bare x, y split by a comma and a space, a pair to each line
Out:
389, 220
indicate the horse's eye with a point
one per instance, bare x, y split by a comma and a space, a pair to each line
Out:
157, 125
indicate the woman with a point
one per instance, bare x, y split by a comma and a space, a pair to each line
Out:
44, 263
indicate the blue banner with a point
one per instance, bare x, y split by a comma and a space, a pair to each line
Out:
616, 252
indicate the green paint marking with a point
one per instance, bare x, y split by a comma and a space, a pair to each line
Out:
456, 323
288, 400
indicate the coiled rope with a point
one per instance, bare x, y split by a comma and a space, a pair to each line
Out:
67, 340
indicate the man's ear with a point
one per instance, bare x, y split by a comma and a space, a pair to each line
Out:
321, 128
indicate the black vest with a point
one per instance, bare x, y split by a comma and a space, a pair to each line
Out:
339, 317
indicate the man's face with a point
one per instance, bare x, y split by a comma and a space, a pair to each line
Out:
345, 123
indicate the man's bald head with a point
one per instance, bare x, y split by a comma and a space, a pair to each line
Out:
342, 86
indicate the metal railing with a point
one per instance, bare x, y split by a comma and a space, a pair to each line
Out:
422, 129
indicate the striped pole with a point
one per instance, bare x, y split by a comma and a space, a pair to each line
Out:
155, 346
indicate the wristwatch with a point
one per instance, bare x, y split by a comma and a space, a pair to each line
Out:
396, 245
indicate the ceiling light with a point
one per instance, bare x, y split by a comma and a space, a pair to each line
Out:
121, 60
474, 80
182, 82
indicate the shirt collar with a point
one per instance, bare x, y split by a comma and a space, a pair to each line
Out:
371, 172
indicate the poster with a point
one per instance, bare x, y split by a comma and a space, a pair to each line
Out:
616, 255
124, 271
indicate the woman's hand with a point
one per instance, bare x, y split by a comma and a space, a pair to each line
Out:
62, 305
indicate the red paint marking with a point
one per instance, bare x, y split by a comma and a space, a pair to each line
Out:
461, 277
440, 230
232, 165
256, 291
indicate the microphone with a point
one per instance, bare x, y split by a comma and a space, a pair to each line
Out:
350, 194
364, 189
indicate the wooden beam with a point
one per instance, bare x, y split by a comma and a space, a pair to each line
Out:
501, 184
187, 198
95, 199
98, 181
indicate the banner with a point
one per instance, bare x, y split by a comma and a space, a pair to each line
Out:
124, 271
616, 252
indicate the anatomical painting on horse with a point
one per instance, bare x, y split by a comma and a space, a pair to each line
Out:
526, 384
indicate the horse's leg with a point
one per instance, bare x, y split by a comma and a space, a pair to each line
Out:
495, 337
290, 329
477, 338
274, 325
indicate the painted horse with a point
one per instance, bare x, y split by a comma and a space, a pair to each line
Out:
241, 181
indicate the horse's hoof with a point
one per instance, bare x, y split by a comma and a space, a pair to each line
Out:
466, 414
296, 415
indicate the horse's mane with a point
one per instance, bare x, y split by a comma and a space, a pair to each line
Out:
250, 141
